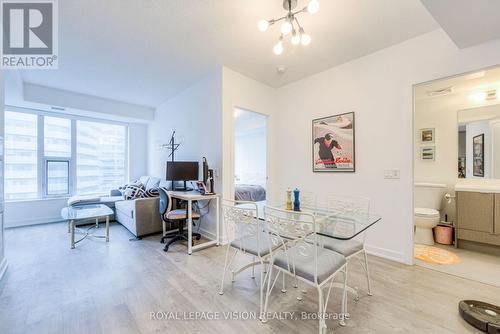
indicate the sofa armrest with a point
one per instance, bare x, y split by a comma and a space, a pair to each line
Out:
115, 192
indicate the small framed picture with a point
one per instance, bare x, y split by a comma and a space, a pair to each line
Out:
427, 135
428, 153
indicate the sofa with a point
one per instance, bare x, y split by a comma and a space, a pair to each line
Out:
140, 216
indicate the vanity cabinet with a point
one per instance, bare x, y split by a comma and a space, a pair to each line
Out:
478, 217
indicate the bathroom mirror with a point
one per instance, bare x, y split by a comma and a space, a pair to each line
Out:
479, 142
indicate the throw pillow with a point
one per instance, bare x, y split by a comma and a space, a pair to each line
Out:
133, 191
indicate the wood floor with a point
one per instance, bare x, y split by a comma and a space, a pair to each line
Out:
113, 288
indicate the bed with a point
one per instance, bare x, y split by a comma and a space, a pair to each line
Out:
249, 192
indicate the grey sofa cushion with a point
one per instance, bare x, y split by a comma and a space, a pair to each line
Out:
344, 247
328, 262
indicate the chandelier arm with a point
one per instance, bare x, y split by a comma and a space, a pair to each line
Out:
297, 21
303, 10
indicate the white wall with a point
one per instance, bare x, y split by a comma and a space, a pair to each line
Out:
474, 129
245, 93
3, 260
138, 150
442, 115
379, 88
196, 116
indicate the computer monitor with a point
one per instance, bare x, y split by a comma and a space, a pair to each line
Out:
182, 171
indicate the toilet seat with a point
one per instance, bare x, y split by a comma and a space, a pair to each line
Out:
426, 213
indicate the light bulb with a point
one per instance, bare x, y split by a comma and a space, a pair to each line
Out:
263, 25
295, 38
286, 27
278, 48
306, 39
313, 6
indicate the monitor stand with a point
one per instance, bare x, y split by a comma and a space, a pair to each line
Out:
183, 188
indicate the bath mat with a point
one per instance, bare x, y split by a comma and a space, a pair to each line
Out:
435, 255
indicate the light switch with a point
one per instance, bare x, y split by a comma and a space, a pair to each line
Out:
391, 174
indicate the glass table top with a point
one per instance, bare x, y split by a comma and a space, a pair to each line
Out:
332, 224
85, 212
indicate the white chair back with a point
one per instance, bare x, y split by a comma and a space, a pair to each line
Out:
292, 230
308, 199
349, 204
241, 223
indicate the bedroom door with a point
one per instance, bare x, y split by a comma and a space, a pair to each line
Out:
250, 155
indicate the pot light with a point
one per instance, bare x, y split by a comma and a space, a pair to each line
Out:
478, 97
313, 6
263, 25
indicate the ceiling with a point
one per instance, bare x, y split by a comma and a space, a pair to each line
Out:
467, 22
144, 52
461, 91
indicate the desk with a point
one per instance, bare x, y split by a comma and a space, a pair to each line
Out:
191, 196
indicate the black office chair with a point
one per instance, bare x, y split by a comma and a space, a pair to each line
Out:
178, 216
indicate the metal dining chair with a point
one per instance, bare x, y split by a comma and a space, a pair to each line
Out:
246, 235
343, 206
301, 257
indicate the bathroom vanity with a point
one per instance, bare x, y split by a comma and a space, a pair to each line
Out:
478, 211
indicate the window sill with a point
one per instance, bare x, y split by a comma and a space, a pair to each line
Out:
65, 198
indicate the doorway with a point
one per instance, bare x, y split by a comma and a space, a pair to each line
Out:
250, 156
457, 175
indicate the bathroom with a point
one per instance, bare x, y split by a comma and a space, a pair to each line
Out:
457, 175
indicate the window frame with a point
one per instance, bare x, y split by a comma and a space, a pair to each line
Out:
45, 185
42, 170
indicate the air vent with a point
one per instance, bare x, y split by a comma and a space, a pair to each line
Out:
491, 95
58, 108
439, 92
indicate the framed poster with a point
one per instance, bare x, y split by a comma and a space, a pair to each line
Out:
427, 136
478, 155
333, 143
428, 153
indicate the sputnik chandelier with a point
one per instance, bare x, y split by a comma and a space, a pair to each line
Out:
291, 25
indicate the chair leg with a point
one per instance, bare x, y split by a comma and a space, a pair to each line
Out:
253, 267
268, 291
262, 268
283, 290
344, 299
221, 291
368, 280
322, 323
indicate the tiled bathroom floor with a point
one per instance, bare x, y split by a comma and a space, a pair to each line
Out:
475, 266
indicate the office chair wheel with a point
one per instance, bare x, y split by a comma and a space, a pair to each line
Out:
198, 237
162, 240
165, 249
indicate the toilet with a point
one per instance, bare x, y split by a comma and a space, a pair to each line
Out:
428, 197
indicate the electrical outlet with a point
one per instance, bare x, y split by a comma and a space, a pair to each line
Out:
391, 174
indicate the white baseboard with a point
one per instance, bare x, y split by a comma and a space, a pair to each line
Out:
34, 221
207, 234
386, 253
3, 267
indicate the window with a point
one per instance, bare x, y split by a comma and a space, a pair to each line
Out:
57, 177
50, 156
21, 156
101, 152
